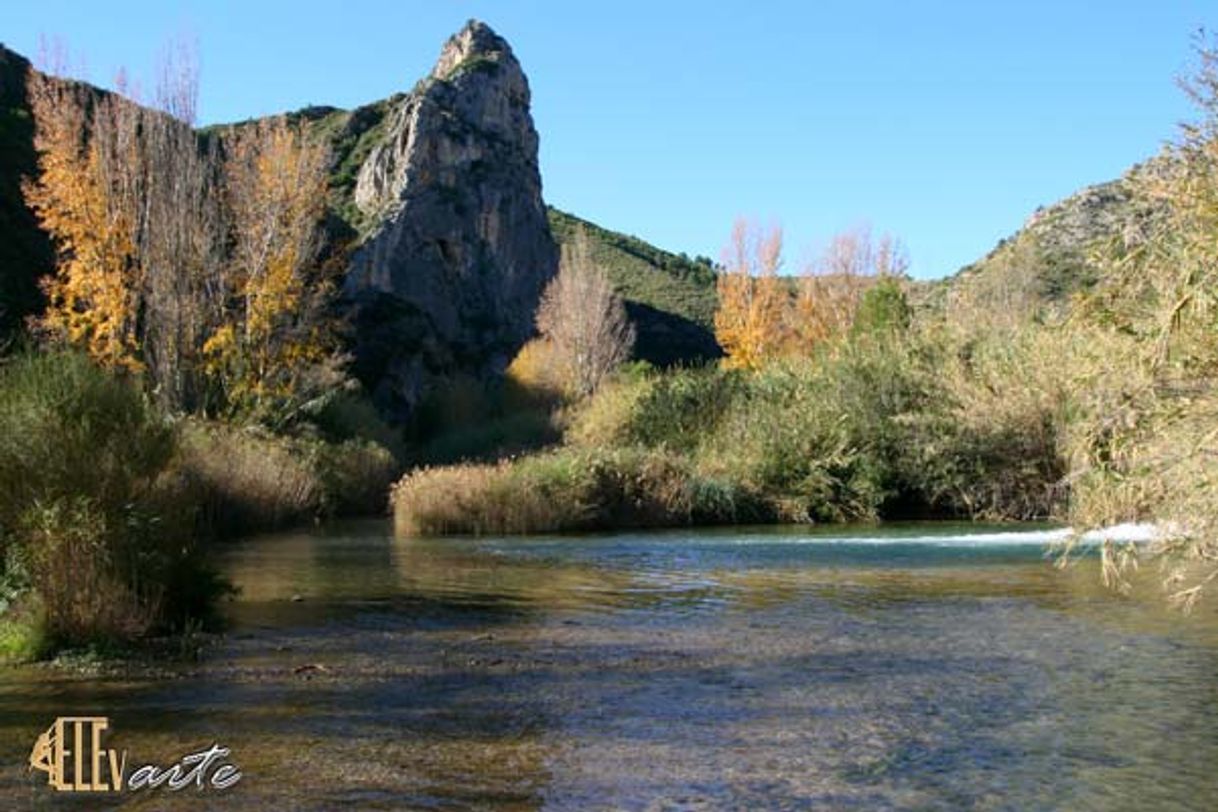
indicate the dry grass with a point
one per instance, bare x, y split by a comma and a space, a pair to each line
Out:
569, 489
245, 480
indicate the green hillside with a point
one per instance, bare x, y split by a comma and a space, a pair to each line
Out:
670, 297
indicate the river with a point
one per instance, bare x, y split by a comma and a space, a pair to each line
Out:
921, 667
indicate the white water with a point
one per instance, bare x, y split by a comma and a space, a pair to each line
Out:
1139, 533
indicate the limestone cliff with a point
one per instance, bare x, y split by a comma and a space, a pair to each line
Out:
449, 272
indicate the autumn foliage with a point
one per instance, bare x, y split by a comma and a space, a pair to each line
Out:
92, 297
278, 336
192, 260
749, 323
763, 315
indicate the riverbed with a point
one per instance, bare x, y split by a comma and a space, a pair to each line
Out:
927, 667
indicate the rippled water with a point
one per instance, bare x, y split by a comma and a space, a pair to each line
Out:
917, 667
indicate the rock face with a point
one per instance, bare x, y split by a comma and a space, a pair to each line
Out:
449, 276
25, 251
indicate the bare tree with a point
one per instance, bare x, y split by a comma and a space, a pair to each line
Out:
168, 179
584, 320
182, 242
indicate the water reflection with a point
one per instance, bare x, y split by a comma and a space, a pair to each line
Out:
903, 668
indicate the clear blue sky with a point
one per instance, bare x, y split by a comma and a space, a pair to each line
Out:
945, 123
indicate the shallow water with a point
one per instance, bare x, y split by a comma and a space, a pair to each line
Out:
915, 667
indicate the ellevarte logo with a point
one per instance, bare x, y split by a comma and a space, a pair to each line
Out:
72, 754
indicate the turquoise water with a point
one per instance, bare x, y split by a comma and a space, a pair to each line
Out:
910, 667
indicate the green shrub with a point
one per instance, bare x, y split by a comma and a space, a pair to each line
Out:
356, 476
882, 309
92, 526
23, 638
353, 416
493, 438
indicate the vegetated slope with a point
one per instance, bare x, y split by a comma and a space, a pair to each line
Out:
670, 297
1037, 271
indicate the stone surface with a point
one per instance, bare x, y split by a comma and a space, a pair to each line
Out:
448, 277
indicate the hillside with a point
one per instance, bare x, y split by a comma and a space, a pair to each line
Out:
670, 297
1038, 269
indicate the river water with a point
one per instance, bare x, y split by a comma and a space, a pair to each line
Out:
917, 667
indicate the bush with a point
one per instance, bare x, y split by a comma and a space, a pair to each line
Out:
355, 476
245, 479
353, 416
463, 419
92, 528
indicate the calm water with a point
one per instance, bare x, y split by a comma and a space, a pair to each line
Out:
924, 667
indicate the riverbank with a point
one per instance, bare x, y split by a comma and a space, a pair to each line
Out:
109, 508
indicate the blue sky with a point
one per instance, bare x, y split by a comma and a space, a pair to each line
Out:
944, 123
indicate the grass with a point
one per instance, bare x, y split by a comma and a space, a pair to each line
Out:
564, 490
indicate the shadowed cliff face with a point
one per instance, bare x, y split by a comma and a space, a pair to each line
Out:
25, 252
450, 273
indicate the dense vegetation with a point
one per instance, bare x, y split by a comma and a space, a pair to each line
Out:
184, 379
885, 423
107, 504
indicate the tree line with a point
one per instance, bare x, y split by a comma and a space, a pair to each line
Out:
193, 260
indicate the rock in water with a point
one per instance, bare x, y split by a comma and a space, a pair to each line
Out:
448, 279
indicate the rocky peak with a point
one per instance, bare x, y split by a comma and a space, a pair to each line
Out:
475, 41
450, 273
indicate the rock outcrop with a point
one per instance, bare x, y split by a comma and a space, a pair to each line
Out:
449, 274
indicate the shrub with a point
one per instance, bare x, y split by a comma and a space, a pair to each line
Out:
353, 416
245, 479
92, 526
355, 477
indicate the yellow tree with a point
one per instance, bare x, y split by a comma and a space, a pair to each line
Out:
271, 350
82, 203
752, 298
